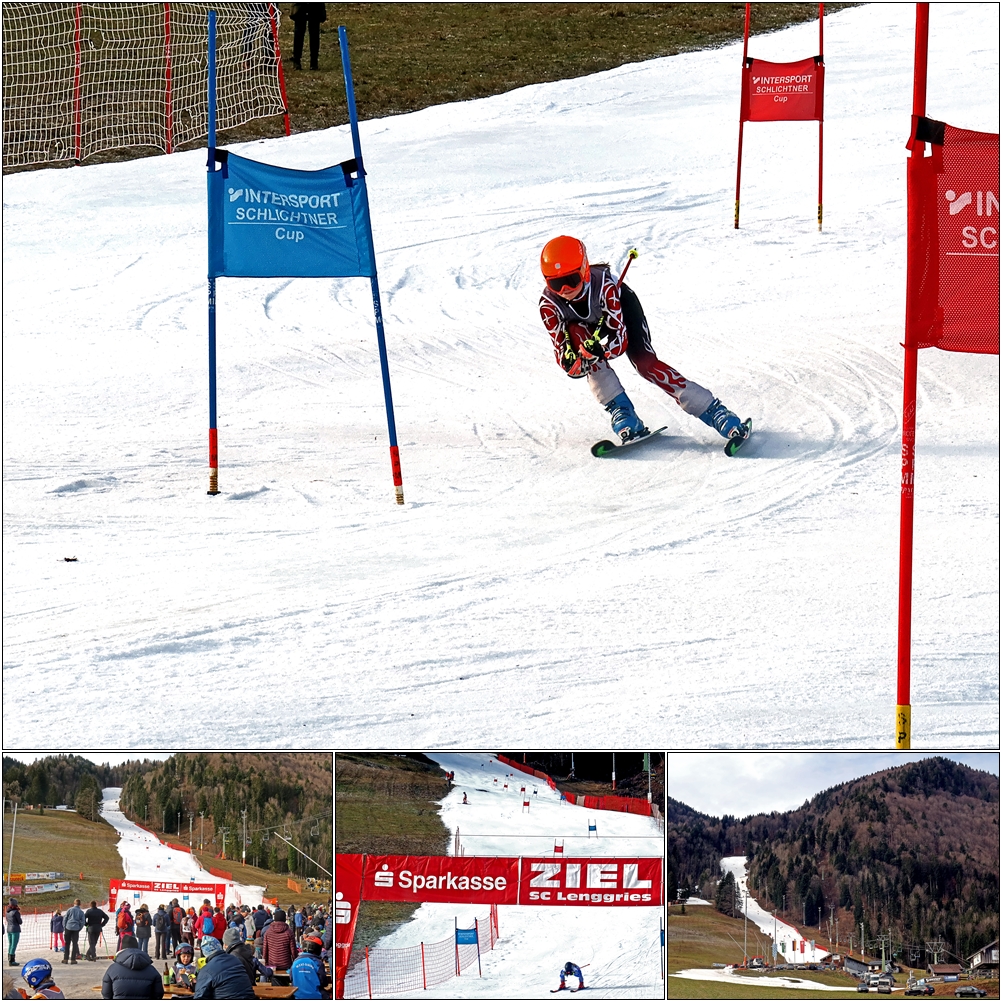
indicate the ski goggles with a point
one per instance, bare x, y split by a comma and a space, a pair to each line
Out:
564, 283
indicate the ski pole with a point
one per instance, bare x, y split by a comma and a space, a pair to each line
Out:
631, 257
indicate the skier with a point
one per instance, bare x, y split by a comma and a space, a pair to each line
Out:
465, 801
592, 318
570, 970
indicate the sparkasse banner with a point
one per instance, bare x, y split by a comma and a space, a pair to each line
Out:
461, 879
599, 881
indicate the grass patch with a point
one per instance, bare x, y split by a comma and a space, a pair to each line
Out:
387, 805
408, 56
64, 842
703, 937
275, 884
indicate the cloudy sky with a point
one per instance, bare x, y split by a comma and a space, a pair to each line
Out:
742, 783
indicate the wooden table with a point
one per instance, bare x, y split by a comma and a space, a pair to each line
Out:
260, 991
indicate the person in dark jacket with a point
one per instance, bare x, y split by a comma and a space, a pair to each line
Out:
56, 928
144, 928
13, 916
161, 929
307, 16
95, 919
279, 944
235, 945
132, 975
260, 917
223, 976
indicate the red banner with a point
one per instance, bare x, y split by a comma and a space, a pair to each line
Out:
953, 239
347, 897
783, 92
161, 887
590, 881
461, 879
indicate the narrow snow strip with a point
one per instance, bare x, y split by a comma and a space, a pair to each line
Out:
728, 977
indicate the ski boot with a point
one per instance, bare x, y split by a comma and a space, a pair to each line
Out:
625, 422
725, 421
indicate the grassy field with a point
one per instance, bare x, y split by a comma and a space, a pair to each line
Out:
64, 842
703, 937
408, 56
275, 884
386, 804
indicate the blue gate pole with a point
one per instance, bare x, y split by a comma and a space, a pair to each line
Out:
398, 483
211, 166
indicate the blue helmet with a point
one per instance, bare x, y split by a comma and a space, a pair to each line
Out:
36, 971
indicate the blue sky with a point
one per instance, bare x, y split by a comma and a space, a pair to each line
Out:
742, 783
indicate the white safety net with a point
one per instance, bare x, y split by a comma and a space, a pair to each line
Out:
81, 78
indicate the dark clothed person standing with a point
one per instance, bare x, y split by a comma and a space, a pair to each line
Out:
223, 976
95, 919
132, 975
307, 15
73, 922
161, 929
279, 944
144, 928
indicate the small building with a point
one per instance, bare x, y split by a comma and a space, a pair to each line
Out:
859, 967
948, 972
985, 963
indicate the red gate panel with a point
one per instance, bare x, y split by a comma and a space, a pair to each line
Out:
783, 92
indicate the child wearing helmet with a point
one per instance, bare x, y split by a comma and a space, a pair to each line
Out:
592, 317
570, 969
185, 971
37, 976
308, 972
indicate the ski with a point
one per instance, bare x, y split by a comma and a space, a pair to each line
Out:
735, 443
607, 448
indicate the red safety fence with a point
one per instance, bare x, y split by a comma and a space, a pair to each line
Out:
524, 768
624, 805
225, 874
374, 971
179, 848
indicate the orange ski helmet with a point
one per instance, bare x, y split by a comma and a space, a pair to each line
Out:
564, 263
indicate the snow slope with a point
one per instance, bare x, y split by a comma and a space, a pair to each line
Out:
145, 857
621, 945
487, 608
785, 934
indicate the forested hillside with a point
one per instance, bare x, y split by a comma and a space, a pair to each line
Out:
64, 779
912, 852
283, 794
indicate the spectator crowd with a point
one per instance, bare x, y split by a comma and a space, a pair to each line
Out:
213, 953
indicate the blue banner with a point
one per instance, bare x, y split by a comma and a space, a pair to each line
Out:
465, 936
273, 222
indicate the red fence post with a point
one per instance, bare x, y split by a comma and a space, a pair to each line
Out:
424, 975
168, 97
281, 72
368, 973
76, 87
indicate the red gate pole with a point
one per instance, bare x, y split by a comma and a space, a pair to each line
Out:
903, 710
455, 939
76, 87
424, 976
368, 973
821, 121
741, 124
281, 72
168, 97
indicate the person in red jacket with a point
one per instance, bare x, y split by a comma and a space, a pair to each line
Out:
218, 924
279, 943
591, 318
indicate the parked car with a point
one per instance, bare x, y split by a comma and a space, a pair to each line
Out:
862, 987
920, 989
970, 992
885, 987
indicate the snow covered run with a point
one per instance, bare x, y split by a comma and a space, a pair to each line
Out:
788, 938
145, 857
727, 976
525, 585
621, 945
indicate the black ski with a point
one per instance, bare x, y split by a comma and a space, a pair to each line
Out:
607, 448
735, 443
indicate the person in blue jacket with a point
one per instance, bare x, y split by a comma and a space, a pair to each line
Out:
308, 972
223, 976
570, 969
